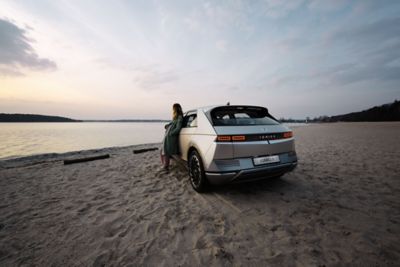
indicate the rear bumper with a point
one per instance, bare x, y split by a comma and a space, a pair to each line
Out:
257, 173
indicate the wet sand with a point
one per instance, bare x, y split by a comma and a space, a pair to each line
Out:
341, 206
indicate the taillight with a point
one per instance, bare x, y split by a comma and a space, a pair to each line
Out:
238, 138
230, 138
254, 137
288, 135
223, 138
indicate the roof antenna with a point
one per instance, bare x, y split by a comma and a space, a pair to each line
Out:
228, 104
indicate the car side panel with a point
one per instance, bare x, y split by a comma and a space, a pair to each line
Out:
185, 140
204, 125
204, 145
217, 151
201, 137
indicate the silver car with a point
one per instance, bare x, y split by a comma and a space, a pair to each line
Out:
227, 144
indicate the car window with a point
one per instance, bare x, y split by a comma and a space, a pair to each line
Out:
190, 120
241, 115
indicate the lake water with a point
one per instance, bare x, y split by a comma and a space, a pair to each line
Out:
23, 139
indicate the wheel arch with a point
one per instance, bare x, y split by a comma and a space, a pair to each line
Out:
191, 149
201, 162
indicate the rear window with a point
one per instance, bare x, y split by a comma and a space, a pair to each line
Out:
241, 115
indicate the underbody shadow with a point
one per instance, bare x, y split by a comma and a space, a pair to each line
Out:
276, 185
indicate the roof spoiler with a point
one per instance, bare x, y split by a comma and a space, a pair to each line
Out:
243, 107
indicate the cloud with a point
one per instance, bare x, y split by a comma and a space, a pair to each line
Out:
221, 17
152, 78
319, 5
365, 7
372, 48
372, 33
358, 54
280, 8
222, 45
7, 71
16, 51
366, 73
193, 24
291, 43
341, 75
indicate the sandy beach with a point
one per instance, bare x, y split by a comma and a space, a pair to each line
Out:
341, 206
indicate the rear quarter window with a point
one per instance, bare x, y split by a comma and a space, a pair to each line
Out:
190, 121
241, 116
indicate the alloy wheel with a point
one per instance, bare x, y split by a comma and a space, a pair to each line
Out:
195, 171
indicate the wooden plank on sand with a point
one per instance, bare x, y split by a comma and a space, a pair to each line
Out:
71, 161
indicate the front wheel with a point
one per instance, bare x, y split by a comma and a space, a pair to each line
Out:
198, 178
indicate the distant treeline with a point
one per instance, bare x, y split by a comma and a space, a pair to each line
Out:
387, 112
283, 120
43, 118
33, 118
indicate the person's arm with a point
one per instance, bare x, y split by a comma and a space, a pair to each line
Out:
176, 127
166, 126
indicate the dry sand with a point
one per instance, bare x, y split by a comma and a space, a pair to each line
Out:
341, 206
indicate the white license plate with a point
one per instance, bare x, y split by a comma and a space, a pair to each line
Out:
265, 160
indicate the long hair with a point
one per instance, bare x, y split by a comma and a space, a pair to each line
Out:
176, 111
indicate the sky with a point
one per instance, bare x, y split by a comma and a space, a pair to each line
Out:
98, 59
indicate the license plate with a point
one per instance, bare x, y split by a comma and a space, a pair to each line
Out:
265, 160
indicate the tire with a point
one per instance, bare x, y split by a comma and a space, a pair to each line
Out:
197, 176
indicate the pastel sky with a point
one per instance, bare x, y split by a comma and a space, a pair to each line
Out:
98, 59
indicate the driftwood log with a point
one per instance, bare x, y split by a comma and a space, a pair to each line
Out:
137, 151
72, 161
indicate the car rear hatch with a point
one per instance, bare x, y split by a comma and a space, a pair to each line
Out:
251, 131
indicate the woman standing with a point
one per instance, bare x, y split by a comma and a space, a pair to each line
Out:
171, 139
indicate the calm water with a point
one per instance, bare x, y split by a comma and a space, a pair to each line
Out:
22, 139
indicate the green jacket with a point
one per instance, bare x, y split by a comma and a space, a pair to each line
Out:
171, 139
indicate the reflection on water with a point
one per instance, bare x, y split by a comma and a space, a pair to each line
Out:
22, 139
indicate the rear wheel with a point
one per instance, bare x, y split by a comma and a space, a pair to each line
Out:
197, 176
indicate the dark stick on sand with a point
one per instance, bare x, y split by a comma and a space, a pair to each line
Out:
144, 150
72, 161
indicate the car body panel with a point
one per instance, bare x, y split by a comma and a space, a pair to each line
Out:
250, 129
252, 174
200, 137
262, 148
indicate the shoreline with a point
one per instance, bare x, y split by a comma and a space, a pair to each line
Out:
14, 162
